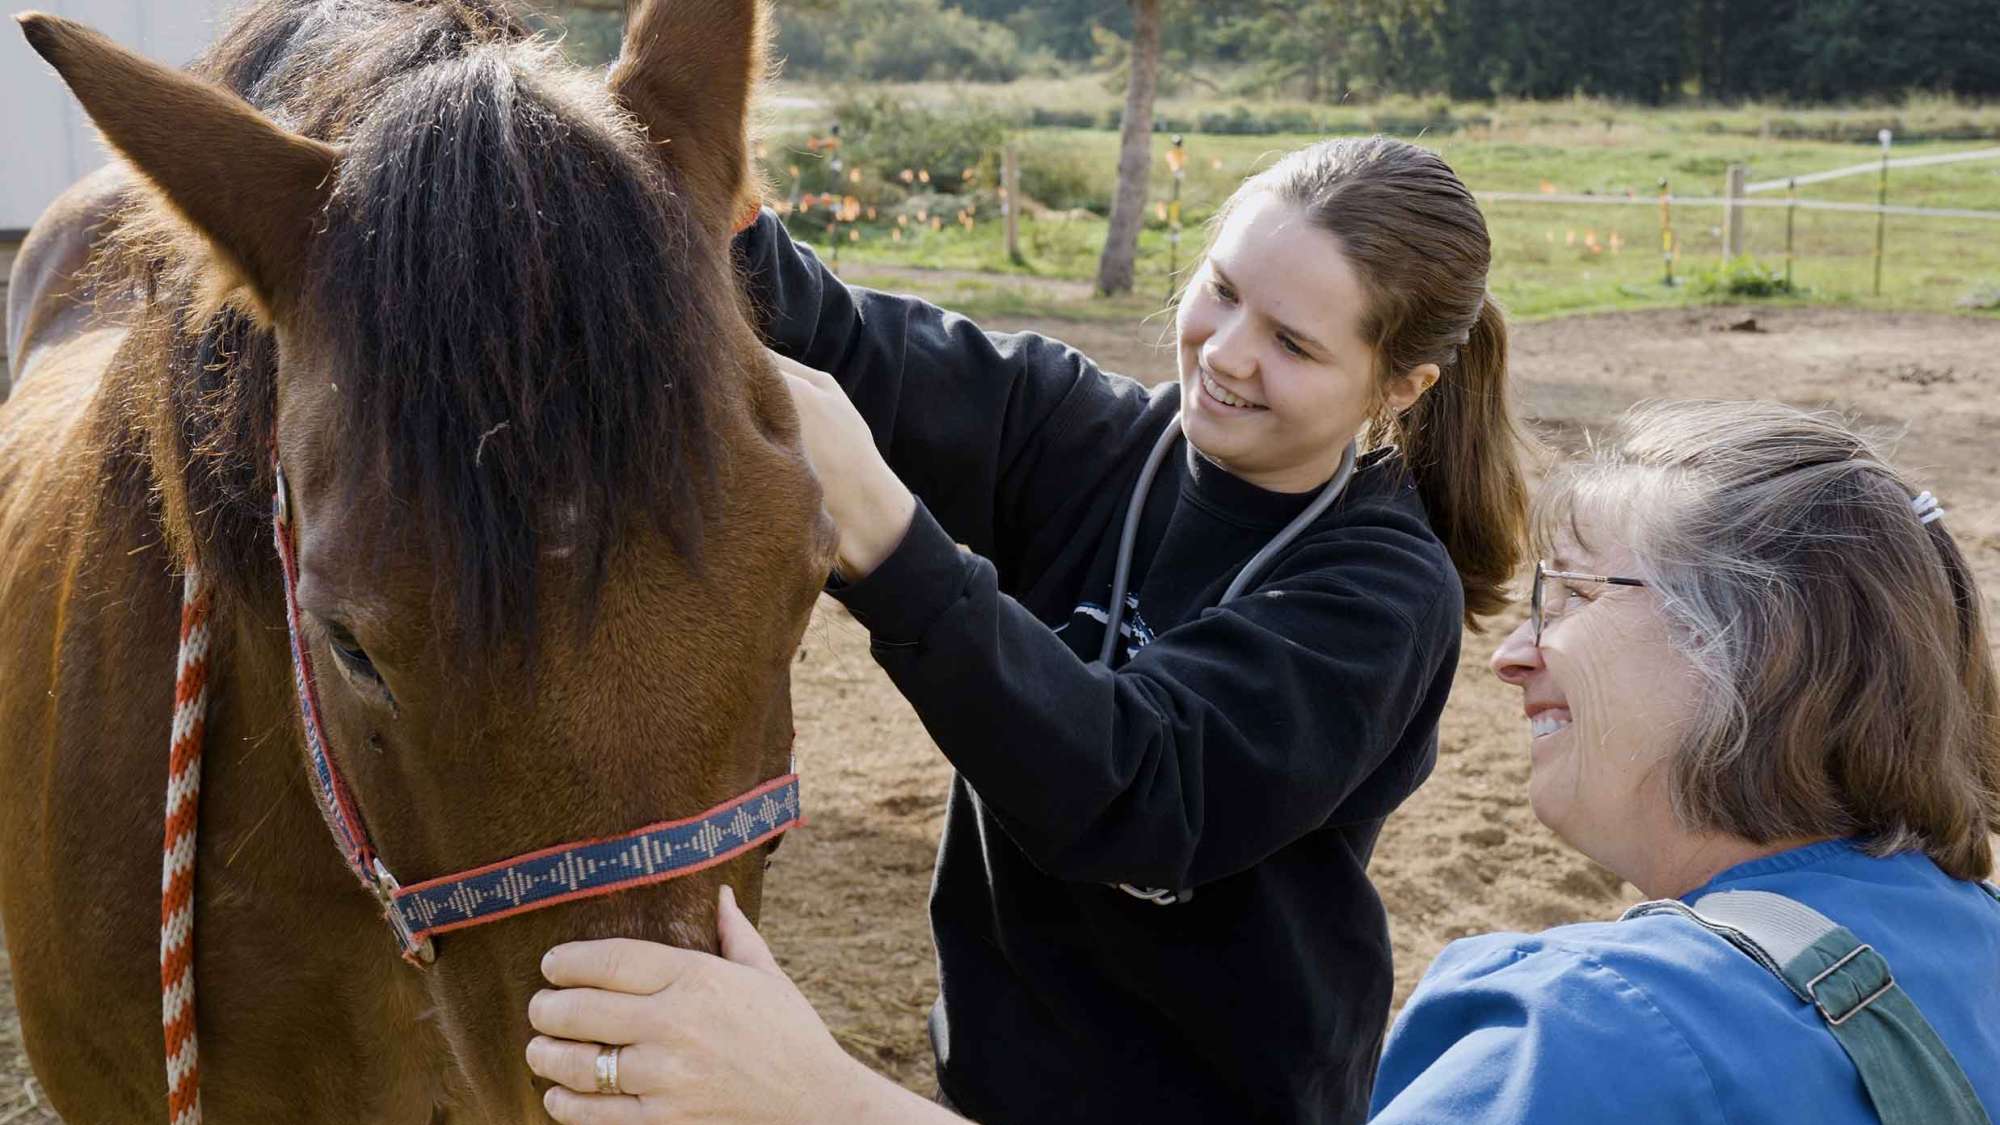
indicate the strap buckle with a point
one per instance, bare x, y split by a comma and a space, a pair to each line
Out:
416, 950
1812, 987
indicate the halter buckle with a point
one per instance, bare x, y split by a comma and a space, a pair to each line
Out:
417, 951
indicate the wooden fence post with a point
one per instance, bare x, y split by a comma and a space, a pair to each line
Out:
1881, 203
1791, 216
1666, 231
1732, 214
1010, 200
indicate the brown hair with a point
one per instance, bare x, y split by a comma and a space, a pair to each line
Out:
1417, 238
1847, 686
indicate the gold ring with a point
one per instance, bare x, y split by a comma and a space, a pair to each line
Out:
607, 1071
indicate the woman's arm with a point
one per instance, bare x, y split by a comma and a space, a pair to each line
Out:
701, 1038
969, 420
1224, 740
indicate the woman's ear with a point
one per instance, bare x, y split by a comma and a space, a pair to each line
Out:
1404, 390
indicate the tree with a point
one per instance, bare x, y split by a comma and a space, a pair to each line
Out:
1061, 27
1135, 152
1328, 44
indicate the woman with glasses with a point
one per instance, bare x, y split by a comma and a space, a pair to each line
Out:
1758, 687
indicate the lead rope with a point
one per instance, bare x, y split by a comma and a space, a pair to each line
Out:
177, 857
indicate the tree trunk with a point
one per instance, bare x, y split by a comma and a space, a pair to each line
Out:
1135, 152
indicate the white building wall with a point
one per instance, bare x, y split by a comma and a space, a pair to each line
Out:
46, 142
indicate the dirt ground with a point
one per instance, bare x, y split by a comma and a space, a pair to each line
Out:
845, 909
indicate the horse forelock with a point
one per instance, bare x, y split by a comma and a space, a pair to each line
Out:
527, 334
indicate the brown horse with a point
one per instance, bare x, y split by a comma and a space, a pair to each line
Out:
557, 539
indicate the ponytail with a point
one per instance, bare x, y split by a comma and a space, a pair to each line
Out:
1462, 446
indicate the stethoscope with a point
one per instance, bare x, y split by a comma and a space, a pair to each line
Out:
1121, 576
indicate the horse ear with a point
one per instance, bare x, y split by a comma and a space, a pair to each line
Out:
253, 188
686, 71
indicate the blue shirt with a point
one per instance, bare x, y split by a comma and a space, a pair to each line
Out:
1658, 1020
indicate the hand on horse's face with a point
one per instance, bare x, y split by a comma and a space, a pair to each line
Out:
703, 1038
869, 505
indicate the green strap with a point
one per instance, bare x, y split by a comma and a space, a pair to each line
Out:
1909, 1073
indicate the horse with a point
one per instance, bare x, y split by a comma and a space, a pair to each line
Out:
463, 319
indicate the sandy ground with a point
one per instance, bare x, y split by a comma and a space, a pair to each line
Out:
845, 910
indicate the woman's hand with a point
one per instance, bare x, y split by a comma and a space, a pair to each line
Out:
701, 1038
869, 505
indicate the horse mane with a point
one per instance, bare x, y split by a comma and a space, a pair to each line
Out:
530, 339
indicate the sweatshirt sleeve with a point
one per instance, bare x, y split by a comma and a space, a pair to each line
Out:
980, 426
1225, 739
1504, 1029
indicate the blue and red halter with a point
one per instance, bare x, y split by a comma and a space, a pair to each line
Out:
650, 854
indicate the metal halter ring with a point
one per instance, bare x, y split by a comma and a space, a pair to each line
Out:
607, 1071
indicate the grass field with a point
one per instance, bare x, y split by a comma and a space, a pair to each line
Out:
1549, 259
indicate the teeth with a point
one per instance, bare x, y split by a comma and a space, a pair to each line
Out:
1216, 389
1545, 723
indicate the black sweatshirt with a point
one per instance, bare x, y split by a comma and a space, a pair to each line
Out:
1246, 753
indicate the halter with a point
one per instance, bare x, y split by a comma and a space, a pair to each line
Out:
563, 873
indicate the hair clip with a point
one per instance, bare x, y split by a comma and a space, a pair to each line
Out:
1926, 507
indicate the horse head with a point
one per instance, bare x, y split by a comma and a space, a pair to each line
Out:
555, 536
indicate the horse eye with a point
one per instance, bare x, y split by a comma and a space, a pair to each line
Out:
349, 652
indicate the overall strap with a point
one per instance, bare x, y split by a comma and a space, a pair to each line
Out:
1909, 1073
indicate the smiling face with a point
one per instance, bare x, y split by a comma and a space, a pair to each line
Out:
1275, 375
1606, 697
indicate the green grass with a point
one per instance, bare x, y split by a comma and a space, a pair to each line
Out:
1543, 261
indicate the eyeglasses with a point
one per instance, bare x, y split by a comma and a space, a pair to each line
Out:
1542, 610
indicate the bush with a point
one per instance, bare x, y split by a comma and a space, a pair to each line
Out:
1239, 121
1065, 177
1044, 117
1985, 299
1743, 276
898, 41
882, 137
940, 43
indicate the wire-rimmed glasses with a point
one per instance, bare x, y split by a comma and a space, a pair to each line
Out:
1542, 611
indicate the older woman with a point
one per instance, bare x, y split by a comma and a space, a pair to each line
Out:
1758, 687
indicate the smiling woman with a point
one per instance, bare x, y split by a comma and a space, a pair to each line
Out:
1275, 372
1761, 692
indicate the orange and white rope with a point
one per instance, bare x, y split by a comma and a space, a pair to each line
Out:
177, 864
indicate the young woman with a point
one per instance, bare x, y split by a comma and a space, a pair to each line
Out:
1191, 655
1776, 696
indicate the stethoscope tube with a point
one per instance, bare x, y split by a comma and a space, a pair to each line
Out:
1121, 575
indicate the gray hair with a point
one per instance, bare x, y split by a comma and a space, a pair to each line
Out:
1847, 686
